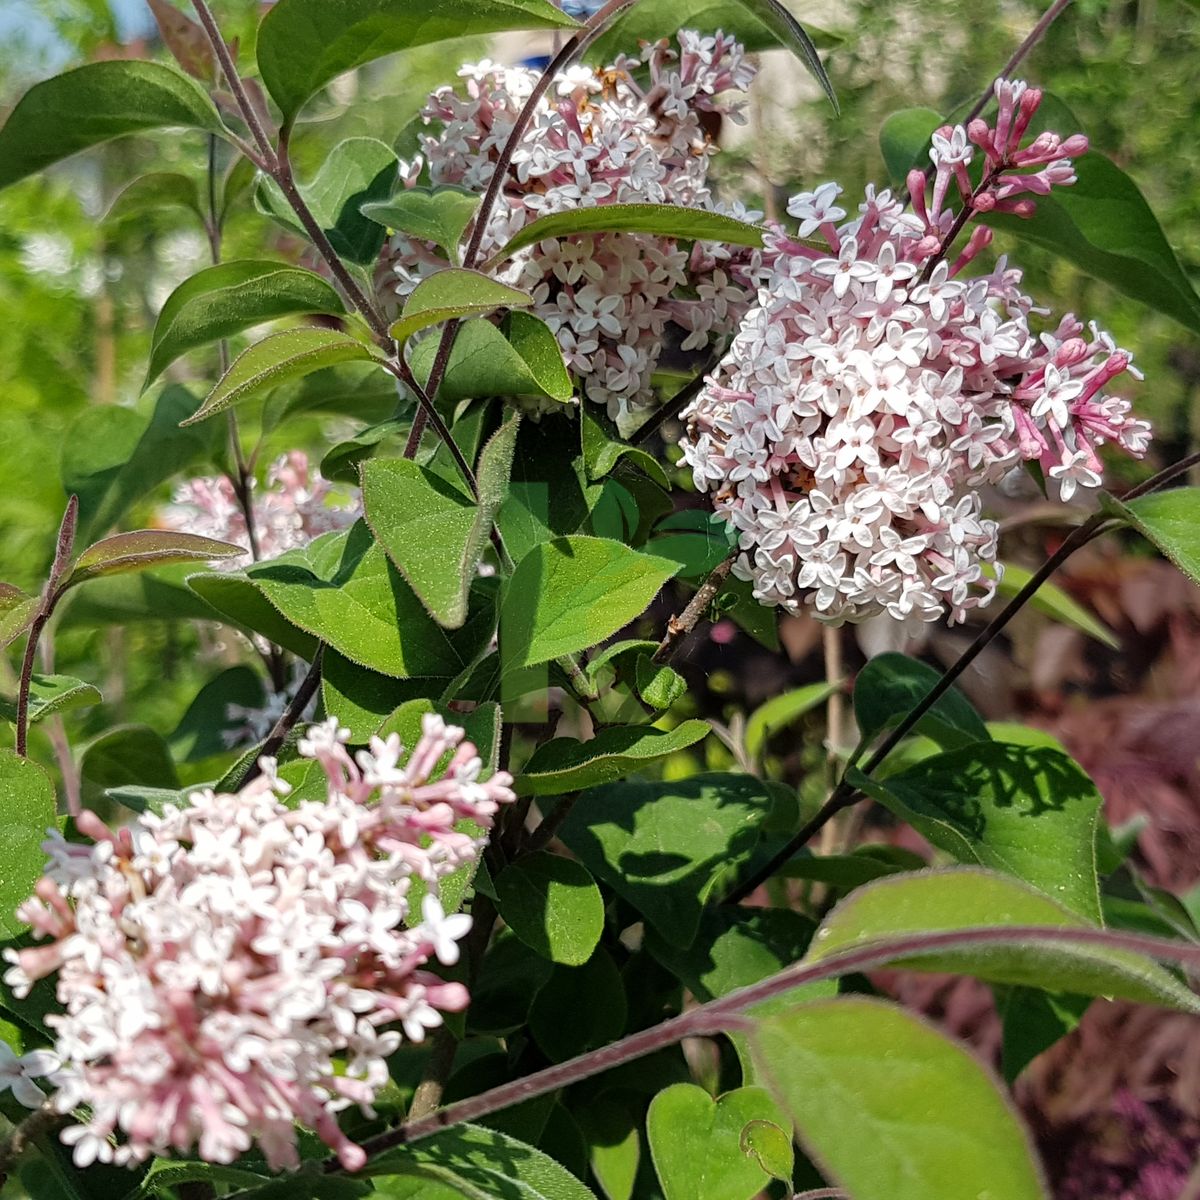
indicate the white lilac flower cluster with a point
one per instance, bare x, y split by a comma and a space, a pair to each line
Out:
873, 390
599, 137
293, 508
214, 960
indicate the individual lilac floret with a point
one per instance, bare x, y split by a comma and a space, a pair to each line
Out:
873, 391
599, 137
212, 961
289, 512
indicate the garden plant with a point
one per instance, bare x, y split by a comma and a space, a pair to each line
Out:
444, 885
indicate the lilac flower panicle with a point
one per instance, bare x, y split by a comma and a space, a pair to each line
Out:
293, 508
598, 137
874, 390
214, 960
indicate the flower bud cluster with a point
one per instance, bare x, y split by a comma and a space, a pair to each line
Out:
873, 391
289, 512
213, 961
614, 300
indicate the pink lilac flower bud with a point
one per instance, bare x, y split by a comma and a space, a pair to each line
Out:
213, 960
614, 300
872, 393
293, 508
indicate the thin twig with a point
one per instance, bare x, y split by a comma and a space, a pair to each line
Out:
286, 723
679, 627
39, 1122
50, 597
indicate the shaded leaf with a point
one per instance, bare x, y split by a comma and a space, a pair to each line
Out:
149, 193
278, 359
664, 847
357, 171
781, 711
240, 601
186, 40
452, 294
95, 103
1029, 811
553, 905
579, 1008
228, 298
305, 44
891, 685
567, 765
890, 1108
218, 711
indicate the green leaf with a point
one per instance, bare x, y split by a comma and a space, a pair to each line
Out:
51, 694
203, 730
553, 905
654, 19
357, 172
579, 1008
658, 220
1029, 811
571, 593
1034, 1020
891, 685
127, 755
1171, 520
359, 604
439, 215
433, 532
93, 104
124, 552
1102, 223
968, 897
149, 193
450, 295
890, 1108
614, 1147
602, 451
305, 44
229, 298
1054, 602
363, 699
566, 765
278, 359
904, 141
791, 35
664, 847
27, 811
698, 541
781, 711
771, 1148
658, 685
696, 1141
17, 611
112, 457
239, 599
165, 1173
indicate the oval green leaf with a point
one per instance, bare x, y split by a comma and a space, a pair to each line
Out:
890, 1108
450, 295
661, 220
305, 44
1054, 602
278, 359
566, 765
439, 215
93, 104
27, 811
149, 193
782, 711
50, 694
573, 592
17, 611
970, 898
1171, 520
228, 298
553, 905
124, 552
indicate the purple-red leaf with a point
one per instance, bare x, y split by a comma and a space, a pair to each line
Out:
146, 548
